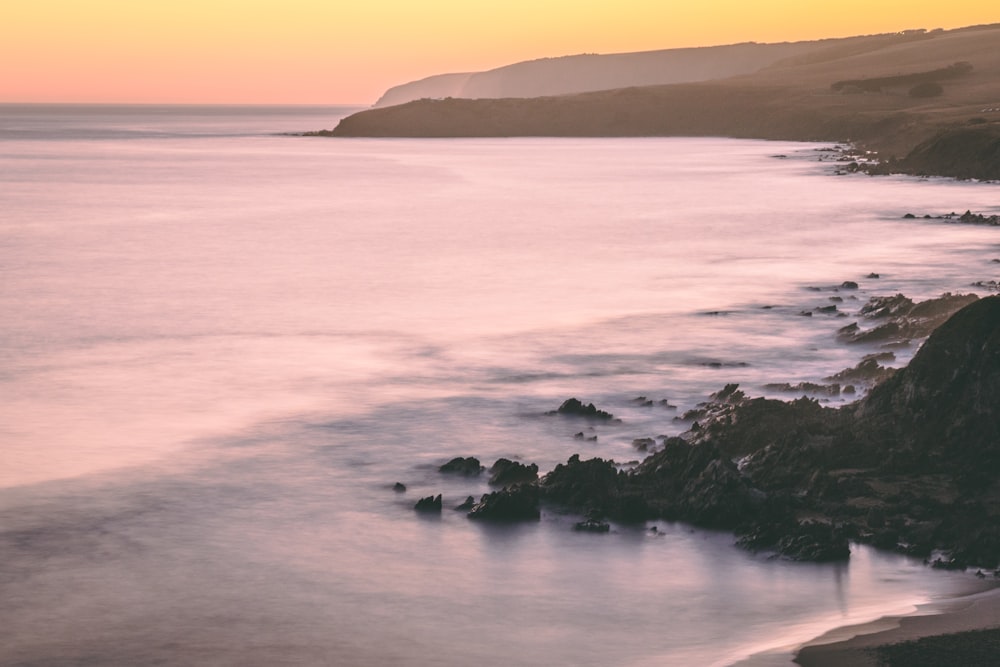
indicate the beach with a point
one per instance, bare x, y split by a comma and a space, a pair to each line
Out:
952, 627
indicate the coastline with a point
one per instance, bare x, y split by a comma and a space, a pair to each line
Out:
855, 644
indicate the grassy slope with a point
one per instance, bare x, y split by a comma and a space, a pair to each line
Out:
790, 100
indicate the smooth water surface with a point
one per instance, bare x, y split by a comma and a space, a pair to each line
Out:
221, 347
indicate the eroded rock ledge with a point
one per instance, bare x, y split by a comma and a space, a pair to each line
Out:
913, 467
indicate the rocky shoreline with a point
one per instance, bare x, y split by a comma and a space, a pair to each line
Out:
910, 467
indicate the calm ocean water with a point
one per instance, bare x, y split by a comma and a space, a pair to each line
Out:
221, 347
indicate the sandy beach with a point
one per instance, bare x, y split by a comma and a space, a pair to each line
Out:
966, 630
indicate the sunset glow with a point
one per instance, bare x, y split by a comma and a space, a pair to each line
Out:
316, 51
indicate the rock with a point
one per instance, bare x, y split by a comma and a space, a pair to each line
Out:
429, 504
513, 503
463, 466
867, 372
592, 526
574, 407
804, 388
643, 444
887, 306
906, 320
816, 542
399, 487
467, 504
943, 405
848, 284
505, 472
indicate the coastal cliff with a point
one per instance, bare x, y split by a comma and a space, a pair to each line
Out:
912, 467
928, 106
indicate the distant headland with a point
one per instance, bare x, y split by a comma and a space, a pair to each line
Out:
927, 102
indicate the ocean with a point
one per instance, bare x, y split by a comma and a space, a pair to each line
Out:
222, 346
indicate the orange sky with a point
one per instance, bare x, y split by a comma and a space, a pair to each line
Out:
332, 51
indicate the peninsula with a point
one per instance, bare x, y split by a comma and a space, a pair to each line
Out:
926, 102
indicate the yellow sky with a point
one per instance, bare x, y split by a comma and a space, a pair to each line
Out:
333, 51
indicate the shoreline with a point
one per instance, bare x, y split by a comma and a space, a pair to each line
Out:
855, 644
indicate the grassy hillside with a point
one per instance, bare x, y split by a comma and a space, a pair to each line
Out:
825, 95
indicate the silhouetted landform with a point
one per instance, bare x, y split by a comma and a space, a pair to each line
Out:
956, 133
589, 72
911, 467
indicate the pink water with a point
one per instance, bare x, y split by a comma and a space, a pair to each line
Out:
221, 347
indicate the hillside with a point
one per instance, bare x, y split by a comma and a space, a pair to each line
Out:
809, 96
591, 72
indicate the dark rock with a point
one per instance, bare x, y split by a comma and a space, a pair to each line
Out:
592, 526
942, 406
594, 484
429, 504
505, 472
873, 276
868, 372
643, 444
848, 284
467, 504
804, 388
887, 306
399, 487
574, 407
513, 503
463, 466
906, 320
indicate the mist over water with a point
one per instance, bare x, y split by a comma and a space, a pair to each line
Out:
222, 347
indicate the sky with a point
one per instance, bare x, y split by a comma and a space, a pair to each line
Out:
338, 52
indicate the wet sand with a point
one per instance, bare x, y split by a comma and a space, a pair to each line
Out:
966, 630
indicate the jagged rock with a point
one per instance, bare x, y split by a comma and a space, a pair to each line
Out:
513, 503
574, 407
906, 320
429, 504
867, 372
505, 472
463, 466
887, 306
399, 487
467, 504
594, 484
804, 388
